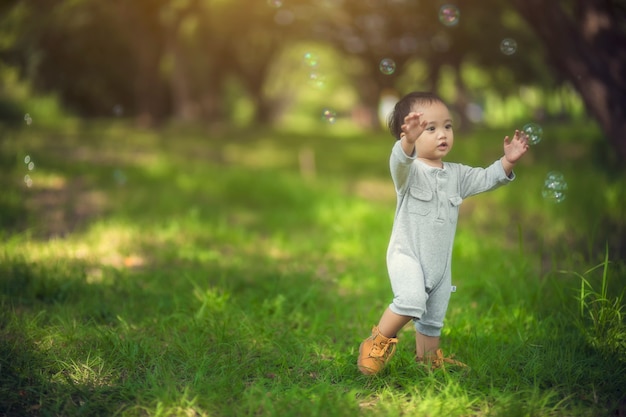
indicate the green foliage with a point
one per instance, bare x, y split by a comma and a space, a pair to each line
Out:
190, 60
21, 106
601, 316
177, 273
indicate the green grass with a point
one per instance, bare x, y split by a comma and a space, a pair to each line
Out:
185, 273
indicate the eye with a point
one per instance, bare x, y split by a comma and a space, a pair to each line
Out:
449, 126
431, 128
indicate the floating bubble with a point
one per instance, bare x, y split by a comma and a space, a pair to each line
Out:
317, 80
30, 164
387, 66
275, 3
329, 115
534, 132
449, 15
311, 59
508, 46
28, 119
554, 187
554, 176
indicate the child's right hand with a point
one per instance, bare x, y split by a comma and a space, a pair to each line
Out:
413, 127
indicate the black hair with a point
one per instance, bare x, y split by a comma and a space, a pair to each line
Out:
404, 106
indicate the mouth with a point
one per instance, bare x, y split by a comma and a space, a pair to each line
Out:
442, 146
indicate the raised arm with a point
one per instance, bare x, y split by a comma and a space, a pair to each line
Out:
412, 128
514, 149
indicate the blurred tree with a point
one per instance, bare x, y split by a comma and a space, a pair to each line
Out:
585, 40
179, 18
9, 33
139, 24
251, 36
161, 58
438, 34
72, 49
373, 31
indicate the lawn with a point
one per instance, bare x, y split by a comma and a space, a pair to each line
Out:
186, 272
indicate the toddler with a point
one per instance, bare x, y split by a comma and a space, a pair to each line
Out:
429, 193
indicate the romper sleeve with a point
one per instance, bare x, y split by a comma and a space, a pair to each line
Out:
478, 180
400, 166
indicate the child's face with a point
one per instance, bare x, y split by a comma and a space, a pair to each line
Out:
438, 137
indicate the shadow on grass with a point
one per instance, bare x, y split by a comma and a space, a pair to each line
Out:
228, 289
195, 337
36, 377
256, 337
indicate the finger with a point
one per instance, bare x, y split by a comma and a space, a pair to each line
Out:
412, 116
523, 137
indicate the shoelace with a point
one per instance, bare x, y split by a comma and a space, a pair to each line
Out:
380, 351
438, 360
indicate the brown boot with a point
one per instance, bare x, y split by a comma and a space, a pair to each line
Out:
375, 352
436, 360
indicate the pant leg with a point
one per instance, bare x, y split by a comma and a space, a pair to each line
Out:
431, 322
407, 283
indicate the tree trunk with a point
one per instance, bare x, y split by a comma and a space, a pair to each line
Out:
183, 106
144, 31
587, 49
461, 99
148, 89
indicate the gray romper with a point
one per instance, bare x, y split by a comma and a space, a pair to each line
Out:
420, 248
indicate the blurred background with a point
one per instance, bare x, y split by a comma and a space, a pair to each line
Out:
278, 61
286, 65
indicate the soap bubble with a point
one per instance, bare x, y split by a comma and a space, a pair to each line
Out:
317, 80
28, 161
275, 3
449, 15
30, 165
311, 59
508, 46
329, 115
28, 119
534, 132
554, 187
387, 66
554, 176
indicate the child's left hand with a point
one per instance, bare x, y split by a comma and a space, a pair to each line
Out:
515, 148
